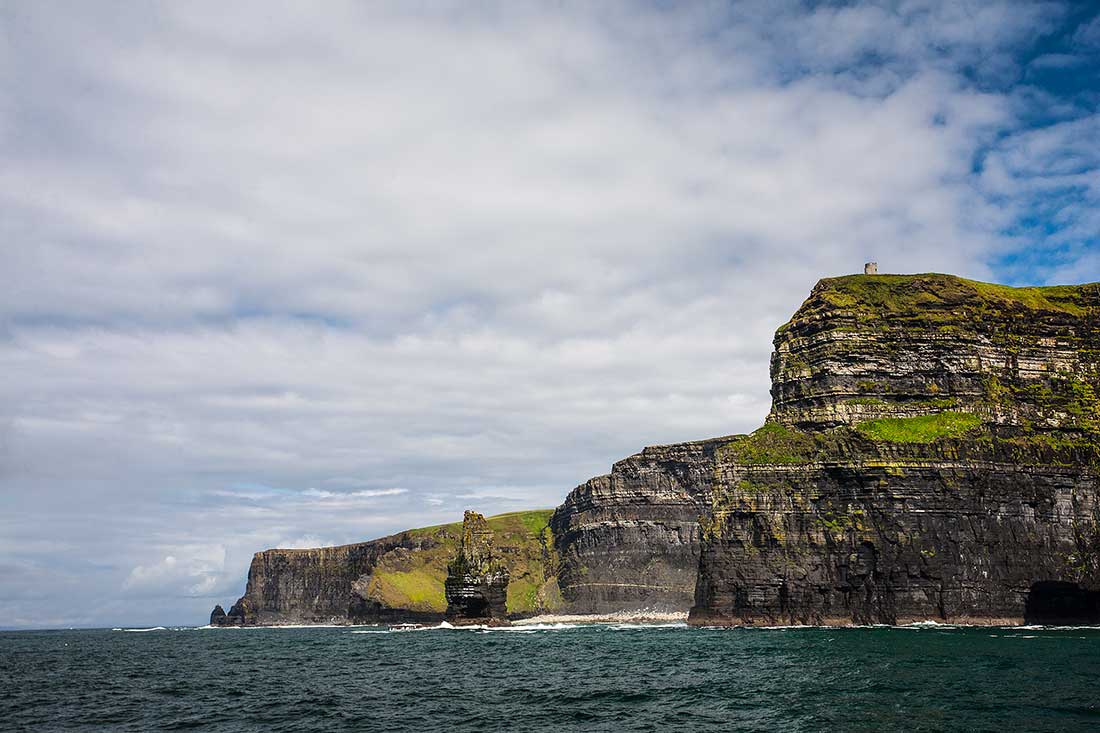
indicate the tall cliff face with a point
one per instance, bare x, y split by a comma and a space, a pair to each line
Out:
630, 540
931, 454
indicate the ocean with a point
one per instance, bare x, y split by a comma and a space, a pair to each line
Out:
552, 678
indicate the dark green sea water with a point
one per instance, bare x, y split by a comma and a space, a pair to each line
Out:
602, 678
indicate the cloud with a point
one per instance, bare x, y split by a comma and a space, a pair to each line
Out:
188, 571
423, 259
352, 495
1087, 34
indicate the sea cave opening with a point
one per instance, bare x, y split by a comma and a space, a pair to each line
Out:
1052, 603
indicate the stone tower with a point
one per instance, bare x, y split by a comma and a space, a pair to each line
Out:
870, 268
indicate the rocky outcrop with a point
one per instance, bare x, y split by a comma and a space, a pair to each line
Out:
477, 580
630, 540
931, 455
217, 616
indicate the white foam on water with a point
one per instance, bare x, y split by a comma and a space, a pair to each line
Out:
783, 628
442, 626
632, 627
531, 628
641, 616
138, 631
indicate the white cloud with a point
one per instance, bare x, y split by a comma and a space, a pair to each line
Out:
319, 494
188, 571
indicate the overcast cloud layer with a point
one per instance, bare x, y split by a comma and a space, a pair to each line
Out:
299, 274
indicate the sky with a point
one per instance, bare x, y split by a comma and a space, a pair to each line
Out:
279, 274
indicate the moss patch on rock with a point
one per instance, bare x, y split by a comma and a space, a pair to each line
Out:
920, 429
772, 444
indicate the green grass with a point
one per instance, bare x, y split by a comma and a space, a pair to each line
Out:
906, 293
921, 429
420, 589
522, 593
413, 579
534, 521
774, 444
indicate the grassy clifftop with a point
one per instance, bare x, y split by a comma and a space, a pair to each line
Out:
904, 294
413, 579
880, 348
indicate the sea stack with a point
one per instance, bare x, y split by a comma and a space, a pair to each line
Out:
477, 581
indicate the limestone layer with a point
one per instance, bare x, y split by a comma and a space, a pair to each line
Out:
630, 540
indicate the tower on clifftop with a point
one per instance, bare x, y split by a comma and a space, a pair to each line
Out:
870, 268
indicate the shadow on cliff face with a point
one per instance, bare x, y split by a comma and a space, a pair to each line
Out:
1053, 602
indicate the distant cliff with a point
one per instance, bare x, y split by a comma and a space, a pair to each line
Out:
931, 454
396, 578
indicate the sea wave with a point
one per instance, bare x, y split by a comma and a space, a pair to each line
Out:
633, 627
648, 616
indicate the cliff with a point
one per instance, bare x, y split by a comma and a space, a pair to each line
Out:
630, 540
931, 454
395, 578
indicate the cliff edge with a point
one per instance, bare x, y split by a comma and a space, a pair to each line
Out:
931, 454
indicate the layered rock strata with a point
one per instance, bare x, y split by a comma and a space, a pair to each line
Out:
477, 580
931, 455
630, 540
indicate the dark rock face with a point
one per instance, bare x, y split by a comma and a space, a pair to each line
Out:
477, 580
316, 586
924, 537
217, 616
630, 540
930, 455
